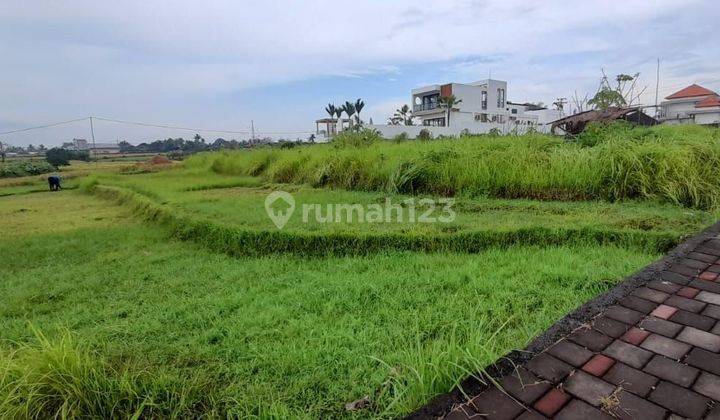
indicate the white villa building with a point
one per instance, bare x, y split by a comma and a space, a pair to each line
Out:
484, 107
691, 105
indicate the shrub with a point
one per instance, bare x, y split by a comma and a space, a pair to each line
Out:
401, 137
356, 139
62, 157
24, 168
424, 134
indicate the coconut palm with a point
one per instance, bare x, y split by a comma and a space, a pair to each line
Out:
330, 109
448, 102
339, 111
404, 114
359, 104
349, 109
395, 120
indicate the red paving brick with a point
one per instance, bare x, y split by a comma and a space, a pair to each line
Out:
708, 275
663, 312
598, 365
635, 336
688, 292
552, 402
654, 355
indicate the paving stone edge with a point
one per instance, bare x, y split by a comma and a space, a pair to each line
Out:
442, 404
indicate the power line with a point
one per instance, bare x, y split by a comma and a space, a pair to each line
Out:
44, 126
165, 126
173, 127
209, 130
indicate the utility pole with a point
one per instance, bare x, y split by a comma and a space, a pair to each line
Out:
252, 128
657, 87
92, 132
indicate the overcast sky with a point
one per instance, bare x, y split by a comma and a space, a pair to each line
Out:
221, 64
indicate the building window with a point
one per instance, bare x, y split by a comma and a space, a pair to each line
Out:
484, 99
514, 111
430, 101
501, 98
500, 119
434, 122
481, 117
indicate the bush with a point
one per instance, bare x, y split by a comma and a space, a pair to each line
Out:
424, 134
25, 168
355, 139
400, 137
62, 157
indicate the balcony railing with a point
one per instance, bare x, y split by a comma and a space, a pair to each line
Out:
425, 107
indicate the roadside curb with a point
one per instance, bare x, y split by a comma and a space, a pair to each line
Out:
474, 385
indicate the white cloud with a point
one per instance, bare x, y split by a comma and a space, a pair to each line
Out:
182, 61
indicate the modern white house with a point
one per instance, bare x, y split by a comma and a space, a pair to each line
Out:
483, 107
691, 105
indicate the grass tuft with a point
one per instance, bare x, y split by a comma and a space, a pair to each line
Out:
61, 379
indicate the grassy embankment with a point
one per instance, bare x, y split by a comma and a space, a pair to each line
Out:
664, 163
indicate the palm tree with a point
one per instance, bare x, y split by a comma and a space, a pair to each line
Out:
394, 120
330, 109
349, 109
404, 114
448, 102
359, 104
339, 111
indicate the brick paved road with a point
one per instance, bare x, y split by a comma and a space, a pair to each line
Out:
654, 355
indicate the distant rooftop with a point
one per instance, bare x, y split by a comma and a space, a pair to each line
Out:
708, 102
691, 91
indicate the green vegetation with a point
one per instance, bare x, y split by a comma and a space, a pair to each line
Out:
19, 168
166, 328
106, 314
227, 214
62, 157
671, 164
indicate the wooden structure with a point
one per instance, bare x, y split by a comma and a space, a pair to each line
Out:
575, 124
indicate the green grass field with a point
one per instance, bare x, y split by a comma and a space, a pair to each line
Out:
168, 292
271, 336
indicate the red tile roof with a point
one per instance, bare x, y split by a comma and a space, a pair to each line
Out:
691, 92
708, 102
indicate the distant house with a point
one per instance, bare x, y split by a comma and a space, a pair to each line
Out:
483, 108
575, 124
691, 105
81, 145
325, 128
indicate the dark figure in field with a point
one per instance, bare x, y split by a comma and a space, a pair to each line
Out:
54, 182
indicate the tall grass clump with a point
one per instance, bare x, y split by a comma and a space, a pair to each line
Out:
61, 379
676, 164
